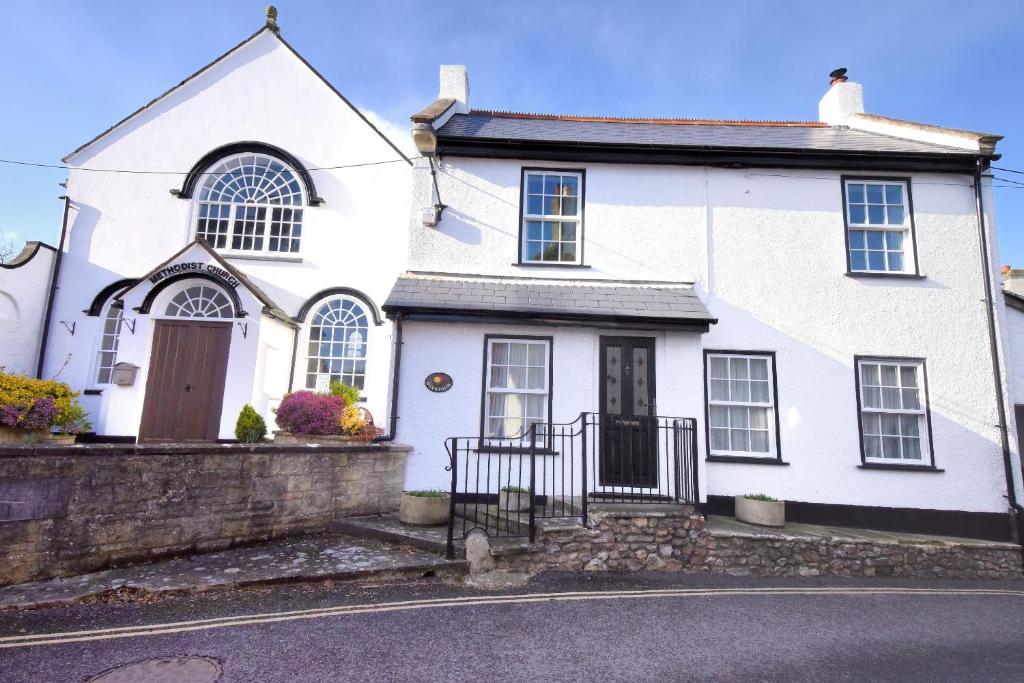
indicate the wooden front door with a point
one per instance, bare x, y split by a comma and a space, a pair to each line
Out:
629, 430
185, 389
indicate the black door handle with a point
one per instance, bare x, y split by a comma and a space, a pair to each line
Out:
188, 388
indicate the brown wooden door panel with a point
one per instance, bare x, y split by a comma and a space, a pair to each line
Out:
185, 388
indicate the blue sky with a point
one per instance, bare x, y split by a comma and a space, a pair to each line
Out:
72, 68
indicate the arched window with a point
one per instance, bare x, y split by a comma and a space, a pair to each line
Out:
336, 351
250, 202
108, 343
199, 301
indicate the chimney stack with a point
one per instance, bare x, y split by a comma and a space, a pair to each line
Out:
1013, 280
455, 86
843, 99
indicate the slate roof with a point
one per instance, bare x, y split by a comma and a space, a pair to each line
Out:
739, 135
664, 304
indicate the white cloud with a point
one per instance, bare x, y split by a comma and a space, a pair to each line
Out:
400, 134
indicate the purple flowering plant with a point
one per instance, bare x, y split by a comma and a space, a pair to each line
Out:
306, 412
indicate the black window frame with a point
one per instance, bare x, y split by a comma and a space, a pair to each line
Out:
906, 180
523, 171
902, 465
546, 449
746, 459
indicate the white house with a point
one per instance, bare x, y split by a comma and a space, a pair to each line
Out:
24, 295
809, 296
229, 242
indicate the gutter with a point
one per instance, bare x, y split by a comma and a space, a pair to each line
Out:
397, 371
53, 289
990, 297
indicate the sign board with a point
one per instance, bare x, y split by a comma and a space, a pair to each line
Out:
439, 382
195, 267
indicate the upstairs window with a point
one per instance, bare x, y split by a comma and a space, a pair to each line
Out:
893, 411
879, 226
552, 224
250, 203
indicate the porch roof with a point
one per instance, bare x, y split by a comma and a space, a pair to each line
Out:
597, 303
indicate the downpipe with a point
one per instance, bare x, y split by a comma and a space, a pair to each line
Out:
51, 296
1016, 511
393, 418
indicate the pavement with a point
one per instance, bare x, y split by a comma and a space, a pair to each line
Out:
564, 627
334, 557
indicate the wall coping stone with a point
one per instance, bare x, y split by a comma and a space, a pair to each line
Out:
53, 450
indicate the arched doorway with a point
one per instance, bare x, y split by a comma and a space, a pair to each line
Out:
188, 364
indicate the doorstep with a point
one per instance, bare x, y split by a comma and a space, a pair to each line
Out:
308, 558
389, 529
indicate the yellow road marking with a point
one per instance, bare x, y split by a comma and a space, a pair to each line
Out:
374, 608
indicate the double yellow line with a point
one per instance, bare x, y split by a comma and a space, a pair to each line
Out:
476, 601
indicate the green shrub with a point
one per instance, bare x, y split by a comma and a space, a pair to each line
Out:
250, 427
514, 489
350, 395
427, 493
761, 497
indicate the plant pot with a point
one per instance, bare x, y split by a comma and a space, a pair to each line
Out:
289, 439
424, 510
14, 435
513, 501
761, 512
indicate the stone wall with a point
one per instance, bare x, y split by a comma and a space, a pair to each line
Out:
74, 509
679, 540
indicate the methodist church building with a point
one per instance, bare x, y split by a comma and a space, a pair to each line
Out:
229, 242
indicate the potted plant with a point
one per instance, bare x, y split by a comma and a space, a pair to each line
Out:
30, 408
326, 418
250, 426
761, 510
424, 508
514, 499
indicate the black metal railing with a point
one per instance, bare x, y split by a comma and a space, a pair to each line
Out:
503, 486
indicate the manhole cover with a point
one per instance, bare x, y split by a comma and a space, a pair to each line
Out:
163, 670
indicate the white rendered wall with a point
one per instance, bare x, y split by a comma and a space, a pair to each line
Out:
777, 281
24, 289
122, 225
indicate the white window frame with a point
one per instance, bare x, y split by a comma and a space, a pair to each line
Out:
115, 340
922, 414
365, 359
771, 408
551, 218
235, 208
488, 390
905, 229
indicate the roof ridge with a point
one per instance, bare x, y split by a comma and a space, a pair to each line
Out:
582, 118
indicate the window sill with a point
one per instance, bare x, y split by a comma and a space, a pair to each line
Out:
261, 257
749, 460
510, 450
526, 264
897, 276
899, 467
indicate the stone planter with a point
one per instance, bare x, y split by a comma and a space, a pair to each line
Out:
289, 439
12, 435
514, 501
761, 512
424, 510
62, 439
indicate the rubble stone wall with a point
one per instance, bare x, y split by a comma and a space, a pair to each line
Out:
680, 541
75, 509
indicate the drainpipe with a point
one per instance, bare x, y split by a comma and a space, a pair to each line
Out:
53, 289
990, 298
397, 371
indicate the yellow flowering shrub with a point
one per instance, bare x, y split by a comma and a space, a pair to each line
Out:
351, 421
21, 391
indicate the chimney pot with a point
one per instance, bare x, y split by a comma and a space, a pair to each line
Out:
843, 99
838, 76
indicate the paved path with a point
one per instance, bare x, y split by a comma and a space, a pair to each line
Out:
559, 628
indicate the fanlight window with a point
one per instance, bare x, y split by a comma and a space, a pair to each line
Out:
251, 203
337, 344
199, 301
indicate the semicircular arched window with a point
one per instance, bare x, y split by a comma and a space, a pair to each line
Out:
199, 301
250, 203
336, 352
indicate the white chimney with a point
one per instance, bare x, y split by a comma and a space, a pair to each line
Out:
455, 86
1013, 280
842, 100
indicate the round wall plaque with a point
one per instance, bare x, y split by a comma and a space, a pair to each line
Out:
438, 382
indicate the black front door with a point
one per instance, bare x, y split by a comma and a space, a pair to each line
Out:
629, 430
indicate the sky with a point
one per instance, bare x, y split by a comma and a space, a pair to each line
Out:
71, 68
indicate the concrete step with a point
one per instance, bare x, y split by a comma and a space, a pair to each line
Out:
389, 529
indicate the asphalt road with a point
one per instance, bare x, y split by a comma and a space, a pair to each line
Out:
557, 628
